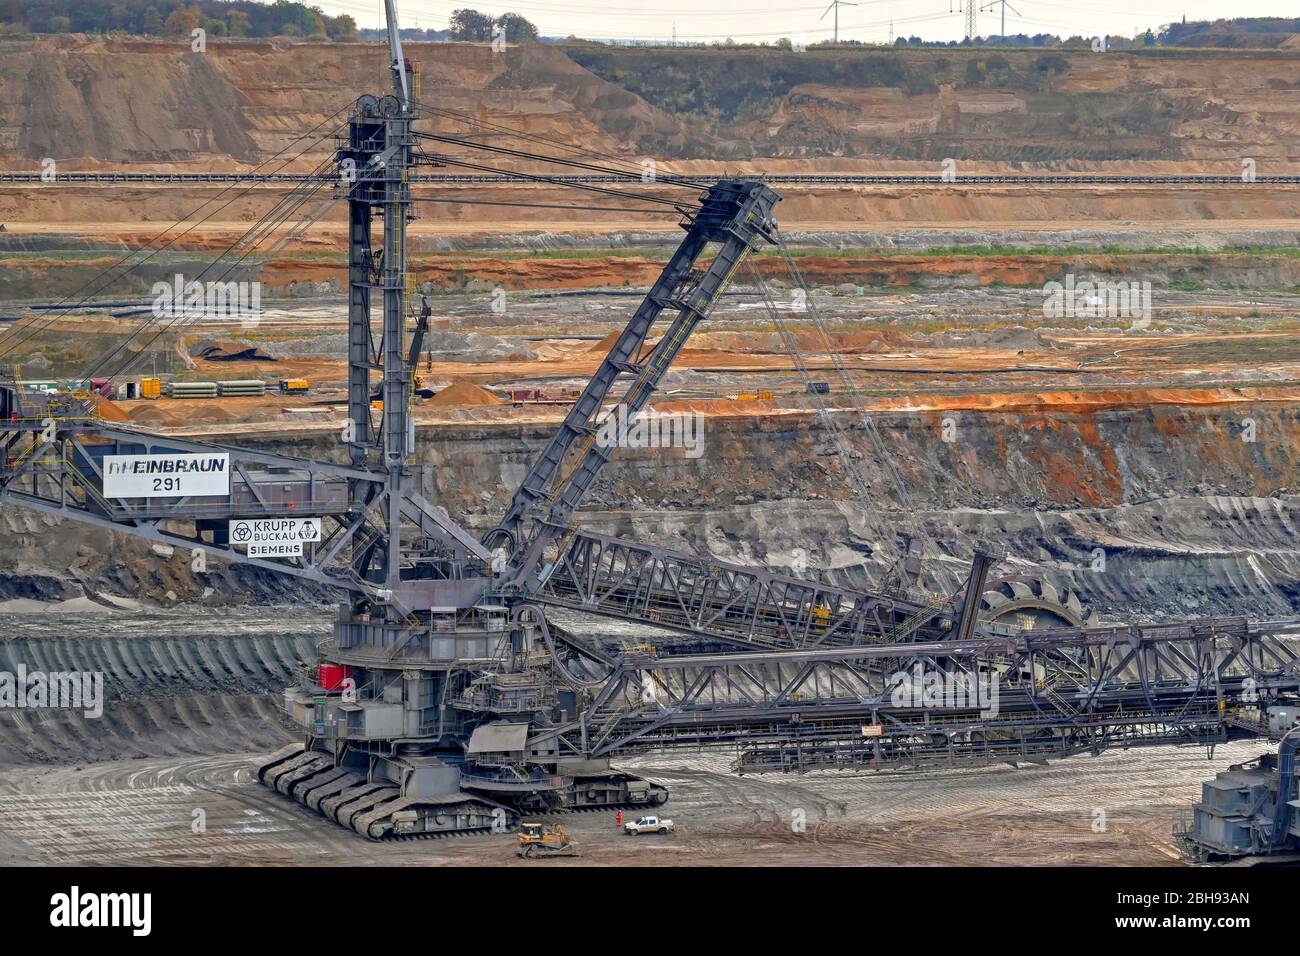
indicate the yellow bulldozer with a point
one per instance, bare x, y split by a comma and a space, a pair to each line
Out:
539, 840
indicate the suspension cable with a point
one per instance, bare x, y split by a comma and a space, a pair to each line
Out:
535, 205
494, 127
522, 154
858, 400
67, 303
618, 194
293, 233
852, 473
254, 235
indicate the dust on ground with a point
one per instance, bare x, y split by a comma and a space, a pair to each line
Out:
1116, 809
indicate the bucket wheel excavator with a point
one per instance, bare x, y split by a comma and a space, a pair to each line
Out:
447, 702
1032, 602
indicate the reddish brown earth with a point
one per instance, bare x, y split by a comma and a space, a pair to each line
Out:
453, 271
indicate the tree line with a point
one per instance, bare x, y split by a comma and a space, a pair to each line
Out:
245, 18
238, 18
481, 27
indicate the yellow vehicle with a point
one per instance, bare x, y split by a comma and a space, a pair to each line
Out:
541, 840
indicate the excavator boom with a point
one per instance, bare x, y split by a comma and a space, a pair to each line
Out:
736, 215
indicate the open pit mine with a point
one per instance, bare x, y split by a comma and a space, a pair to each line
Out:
407, 443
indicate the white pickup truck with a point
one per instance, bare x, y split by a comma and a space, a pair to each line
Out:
647, 825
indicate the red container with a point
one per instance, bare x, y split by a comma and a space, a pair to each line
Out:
332, 676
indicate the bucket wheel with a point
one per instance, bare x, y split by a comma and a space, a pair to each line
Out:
1032, 603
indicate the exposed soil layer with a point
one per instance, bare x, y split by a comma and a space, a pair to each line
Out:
1061, 435
692, 112
137, 214
231, 106
1275, 270
1192, 518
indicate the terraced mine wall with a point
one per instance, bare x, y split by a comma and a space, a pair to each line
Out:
48, 278
231, 104
699, 112
1188, 513
172, 686
1187, 517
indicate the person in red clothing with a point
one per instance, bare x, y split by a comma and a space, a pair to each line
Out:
618, 818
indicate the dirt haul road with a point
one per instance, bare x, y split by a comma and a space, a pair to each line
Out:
1114, 809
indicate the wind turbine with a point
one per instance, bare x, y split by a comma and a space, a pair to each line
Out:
993, 3
835, 5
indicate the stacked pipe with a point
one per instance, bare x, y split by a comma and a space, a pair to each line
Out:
190, 389
243, 387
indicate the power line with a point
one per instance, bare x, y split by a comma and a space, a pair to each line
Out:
569, 9
781, 34
253, 236
18, 337
1002, 3
557, 160
535, 205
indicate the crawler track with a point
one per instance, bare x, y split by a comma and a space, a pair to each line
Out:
378, 811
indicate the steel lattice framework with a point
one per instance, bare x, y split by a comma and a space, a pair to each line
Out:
465, 702
1060, 692
717, 601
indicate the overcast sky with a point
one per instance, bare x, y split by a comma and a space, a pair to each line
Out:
767, 20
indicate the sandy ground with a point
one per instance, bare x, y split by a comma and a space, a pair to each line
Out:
1081, 372
1112, 810
883, 350
201, 712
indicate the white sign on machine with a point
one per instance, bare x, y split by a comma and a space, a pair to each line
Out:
166, 476
274, 537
